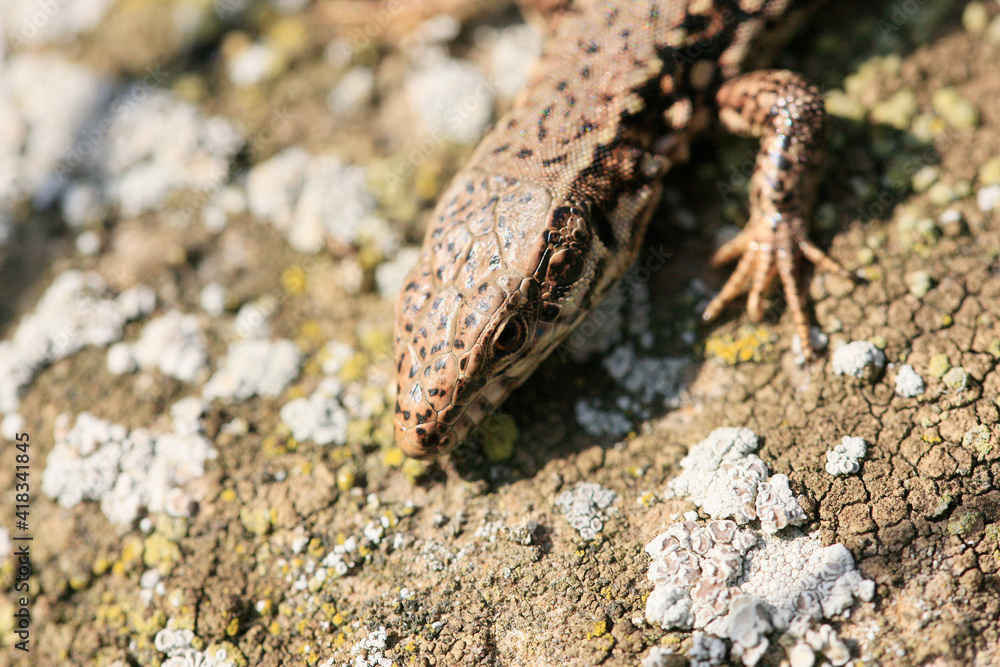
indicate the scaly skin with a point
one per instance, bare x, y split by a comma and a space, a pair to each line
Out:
553, 205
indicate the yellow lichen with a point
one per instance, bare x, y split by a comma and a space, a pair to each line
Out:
393, 457
293, 279
752, 345
258, 521
100, 566
600, 627
354, 368
938, 365
160, 552
346, 477
316, 547
414, 469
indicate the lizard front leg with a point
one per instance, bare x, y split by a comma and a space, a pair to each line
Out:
786, 112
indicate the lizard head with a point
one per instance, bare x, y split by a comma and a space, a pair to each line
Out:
498, 284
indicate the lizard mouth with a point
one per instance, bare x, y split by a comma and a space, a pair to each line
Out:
425, 435
430, 438
426, 440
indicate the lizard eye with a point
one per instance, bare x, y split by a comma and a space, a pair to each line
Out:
511, 337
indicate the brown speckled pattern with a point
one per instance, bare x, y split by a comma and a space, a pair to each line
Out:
554, 203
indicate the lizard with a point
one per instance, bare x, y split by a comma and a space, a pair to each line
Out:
553, 205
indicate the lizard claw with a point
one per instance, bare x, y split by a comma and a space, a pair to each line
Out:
766, 248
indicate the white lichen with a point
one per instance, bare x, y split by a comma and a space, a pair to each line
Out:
41, 141
824, 640
174, 344
253, 64
658, 656
352, 92
776, 506
908, 383
599, 422
860, 359
179, 647
389, 276
693, 570
586, 507
721, 476
845, 458
369, 651
127, 471
670, 607
735, 584
647, 379
450, 97
703, 460
707, 650
319, 417
30, 22
747, 626
161, 144
212, 299
334, 355
273, 187
254, 368
799, 577
10, 426
732, 491
316, 200
738, 583
74, 312
253, 320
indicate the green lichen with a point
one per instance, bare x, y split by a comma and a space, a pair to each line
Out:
954, 108
963, 524
925, 178
978, 440
944, 502
956, 379
897, 111
499, 434
919, 283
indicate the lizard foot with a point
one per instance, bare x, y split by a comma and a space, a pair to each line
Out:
767, 248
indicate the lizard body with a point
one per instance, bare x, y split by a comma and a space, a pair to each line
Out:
553, 205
